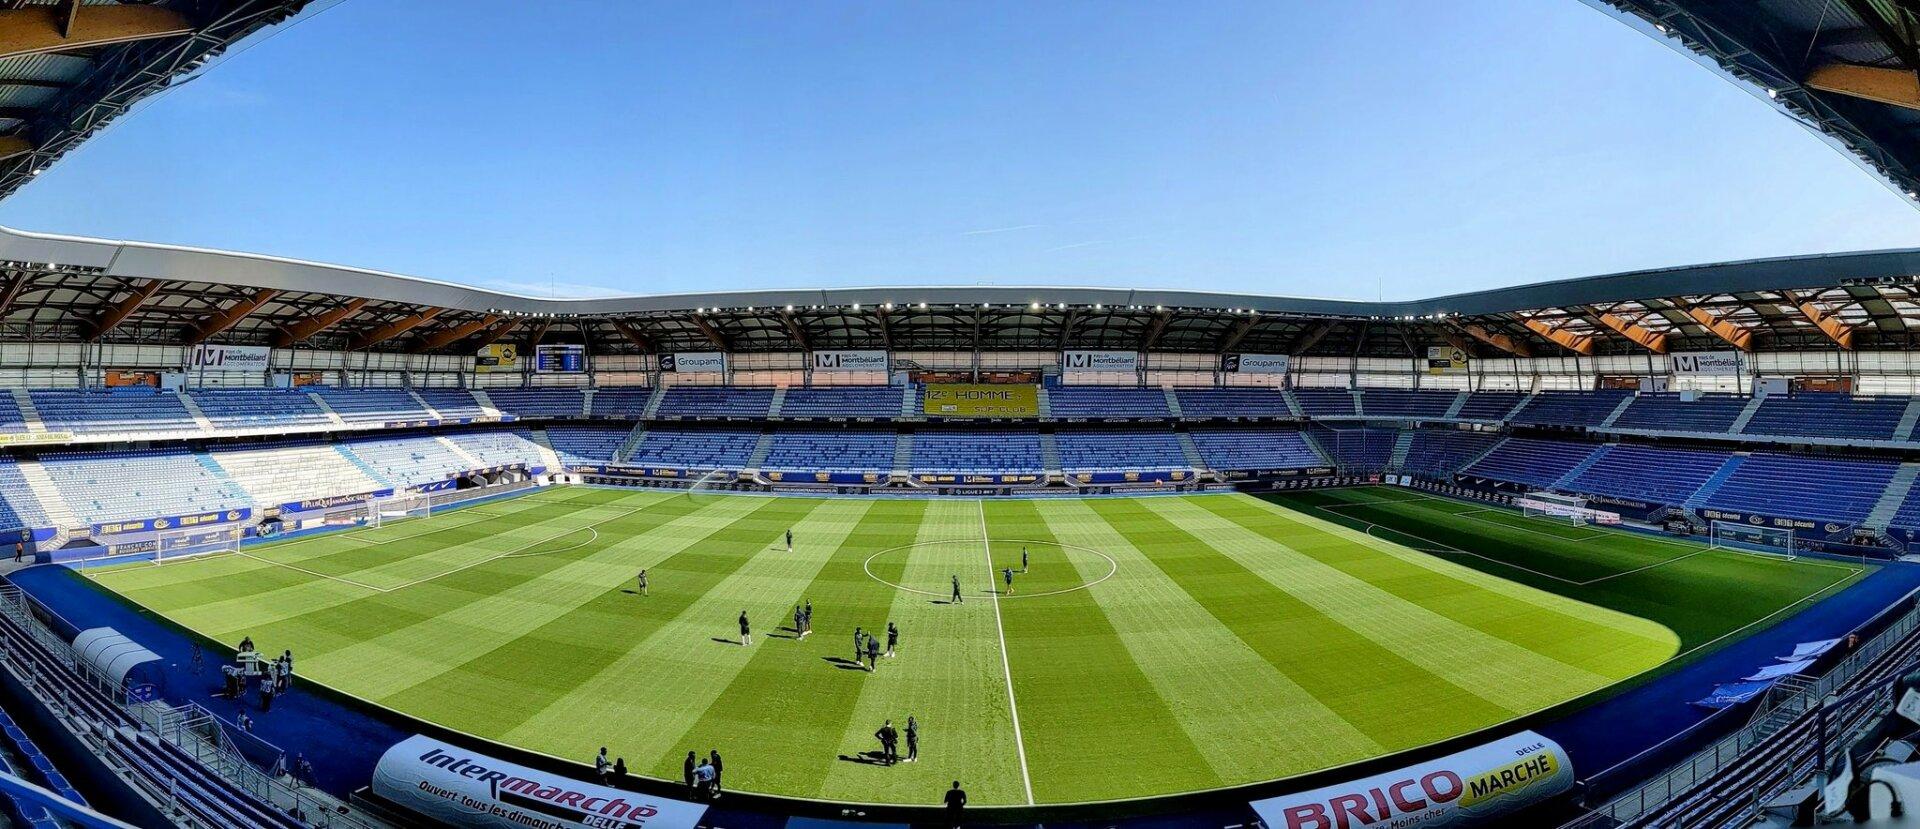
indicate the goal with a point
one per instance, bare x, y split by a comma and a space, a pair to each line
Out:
396, 507
1553, 505
192, 542
1771, 542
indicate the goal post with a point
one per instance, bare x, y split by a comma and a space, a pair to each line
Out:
1770, 542
192, 542
398, 506
1553, 505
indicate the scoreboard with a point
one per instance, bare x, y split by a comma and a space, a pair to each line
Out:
559, 359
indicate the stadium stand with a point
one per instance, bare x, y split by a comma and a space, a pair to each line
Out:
279, 474
407, 461
1442, 452
1668, 412
19, 507
1827, 416
496, 448
1837, 490
1531, 462
259, 409
1119, 450
1093, 402
586, 444
370, 406
1645, 473
1406, 403
1362, 449
979, 451
539, 403
113, 486
1489, 405
1326, 402
686, 448
132, 412
12, 421
623, 402
1250, 401
1573, 408
1251, 448
700, 402
842, 401
452, 404
830, 450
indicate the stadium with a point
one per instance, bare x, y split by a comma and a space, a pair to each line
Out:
1632, 549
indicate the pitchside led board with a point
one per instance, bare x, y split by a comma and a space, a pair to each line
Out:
568, 358
1466, 788
981, 401
499, 358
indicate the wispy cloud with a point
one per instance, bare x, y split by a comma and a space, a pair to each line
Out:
985, 231
567, 290
1078, 245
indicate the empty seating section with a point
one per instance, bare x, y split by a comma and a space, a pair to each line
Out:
1256, 449
1358, 449
539, 402
586, 444
1571, 408
810, 450
276, 475
37, 768
515, 448
452, 404
698, 402
977, 451
624, 402
1488, 405
1798, 486
1406, 402
362, 406
1646, 473
1828, 416
115, 486
259, 408
1325, 402
135, 410
1668, 412
1107, 401
842, 401
1252, 401
18, 505
1908, 516
1534, 463
678, 448
1443, 452
1119, 450
408, 461
11, 419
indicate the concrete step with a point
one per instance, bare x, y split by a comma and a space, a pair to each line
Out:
422, 403
332, 415
1459, 401
472, 462
486, 403
1402, 444
1895, 495
1746, 414
547, 456
52, 502
627, 447
193, 409
28, 413
1617, 411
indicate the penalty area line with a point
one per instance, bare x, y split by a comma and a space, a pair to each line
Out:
1006, 667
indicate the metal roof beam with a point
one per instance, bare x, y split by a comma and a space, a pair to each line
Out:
1651, 340
42, 29
794, 331
635, 335
451, 334
304, 330
1576, 343
713, 334
493, 335
1311, 337
537, 333
119, 312
239, 310
1735, 335
886, 327
1829, 324
393, 329
1495, 339
1154, 329
1238, 333
1895, 87
12, 292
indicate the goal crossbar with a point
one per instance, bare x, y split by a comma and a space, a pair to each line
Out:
1772, 542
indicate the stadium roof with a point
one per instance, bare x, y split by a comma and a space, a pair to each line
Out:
69, 67
1849, 69
73, 290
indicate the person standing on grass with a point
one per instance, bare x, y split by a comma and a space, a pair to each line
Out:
1008, 573
602, 767
746, 632
809, 618
957, 598
873, 652
956, 803
1023, 558
688, 773
642, 581
798, 631
913, 739
889, 742
789, 539
859, 643
713, 759
893, 639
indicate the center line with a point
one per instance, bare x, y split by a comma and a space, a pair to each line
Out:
1019, 742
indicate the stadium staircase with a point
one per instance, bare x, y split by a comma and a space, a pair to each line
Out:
1173, 402
634, 437
1049, 454
1908, 419
653, 404
902, 452
1586, 463
1618, 411
779, 401
486, 403
1401, 446
544, 447
761, 449
1712, 484
1515, 411
1359, 403
471, 461
219, 473
1325, 456
586, 402
361, 464
1043, 401
51, 501
28, 414
193, 409
422, 403
1746, 414
1191, 451
910, 401
1895, 495
332, 416
1459, 402
1293, 405
1482, 454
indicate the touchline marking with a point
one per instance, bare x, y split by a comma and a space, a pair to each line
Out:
1006, 668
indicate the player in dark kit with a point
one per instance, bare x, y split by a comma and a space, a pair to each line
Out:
789, 540
746, 632
1008, 573
956, 591
873, 652
1023, 559
859, 644
893, 639
913, 739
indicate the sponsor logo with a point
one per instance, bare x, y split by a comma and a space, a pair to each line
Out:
1706, 362
1101, 361
1256, 363
1466, 787
850, 361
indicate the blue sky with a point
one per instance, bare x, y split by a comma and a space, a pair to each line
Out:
1391, 149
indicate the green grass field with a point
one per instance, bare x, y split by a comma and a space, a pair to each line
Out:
1157, 645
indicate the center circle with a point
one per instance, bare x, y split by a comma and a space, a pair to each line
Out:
1039, 568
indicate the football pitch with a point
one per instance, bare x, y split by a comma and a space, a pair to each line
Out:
1154, 645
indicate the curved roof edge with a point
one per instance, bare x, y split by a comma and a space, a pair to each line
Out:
145, 260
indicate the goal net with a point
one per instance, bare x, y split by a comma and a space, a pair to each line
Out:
396, 507
192, 542
1772, 542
